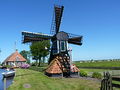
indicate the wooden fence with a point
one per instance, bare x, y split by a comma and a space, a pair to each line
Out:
108, 84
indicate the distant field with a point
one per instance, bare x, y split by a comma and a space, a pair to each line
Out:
98, 64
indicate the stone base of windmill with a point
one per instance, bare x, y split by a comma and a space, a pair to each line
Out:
56, 69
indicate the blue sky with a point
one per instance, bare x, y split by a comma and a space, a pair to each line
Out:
97, 20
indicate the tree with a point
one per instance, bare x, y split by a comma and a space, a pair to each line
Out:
26, 55
40, 49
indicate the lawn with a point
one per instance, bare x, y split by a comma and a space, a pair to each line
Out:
38, 81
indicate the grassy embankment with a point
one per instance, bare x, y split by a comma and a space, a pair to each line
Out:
38, 81
98, 64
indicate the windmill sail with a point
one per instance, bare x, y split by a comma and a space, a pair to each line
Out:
32, 37
58, 11
75, 40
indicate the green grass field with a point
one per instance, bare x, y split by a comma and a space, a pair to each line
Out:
38, 81
98, 64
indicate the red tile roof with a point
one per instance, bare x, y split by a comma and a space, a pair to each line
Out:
15, 57
54, 67
74, 68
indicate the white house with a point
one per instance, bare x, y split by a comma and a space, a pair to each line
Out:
15, 59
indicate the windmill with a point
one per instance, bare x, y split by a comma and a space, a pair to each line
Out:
59, 62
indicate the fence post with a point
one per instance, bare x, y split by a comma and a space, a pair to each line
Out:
111, 82
106, 83
5, 88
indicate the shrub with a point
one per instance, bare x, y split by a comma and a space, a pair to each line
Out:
97, 75
25, 66
83, 73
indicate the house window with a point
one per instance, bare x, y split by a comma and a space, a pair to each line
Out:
55, 47
17, 58
62, 45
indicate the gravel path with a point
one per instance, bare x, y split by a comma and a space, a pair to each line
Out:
87, 78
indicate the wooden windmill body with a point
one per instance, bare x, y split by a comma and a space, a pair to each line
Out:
59, 62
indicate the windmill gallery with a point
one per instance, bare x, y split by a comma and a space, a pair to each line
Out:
60, 60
